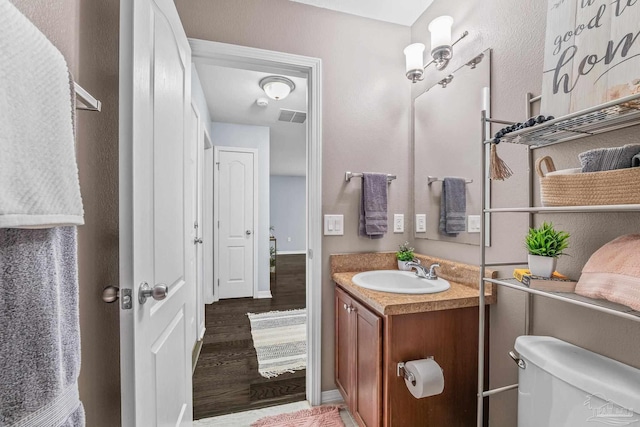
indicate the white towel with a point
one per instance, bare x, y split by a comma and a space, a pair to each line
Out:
39, 184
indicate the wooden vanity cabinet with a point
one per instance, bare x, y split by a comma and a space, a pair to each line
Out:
369, 347
358, 365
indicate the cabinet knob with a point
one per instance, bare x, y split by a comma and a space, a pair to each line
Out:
346, 307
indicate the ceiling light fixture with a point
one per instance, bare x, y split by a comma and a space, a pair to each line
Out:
441, 49
277, 87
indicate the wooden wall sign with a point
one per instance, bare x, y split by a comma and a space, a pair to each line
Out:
592, 54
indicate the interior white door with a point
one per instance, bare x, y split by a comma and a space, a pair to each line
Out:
236, 206
155, 218
207, 223
195, 249
200, 226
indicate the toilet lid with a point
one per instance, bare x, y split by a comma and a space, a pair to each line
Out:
591, 372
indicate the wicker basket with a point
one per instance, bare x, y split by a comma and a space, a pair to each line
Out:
615, 187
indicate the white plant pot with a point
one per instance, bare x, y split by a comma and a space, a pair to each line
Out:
402, 265
542, 266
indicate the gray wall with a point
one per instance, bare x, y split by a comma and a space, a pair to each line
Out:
515, 31
366, 108
289, 212
86, 32
231, 135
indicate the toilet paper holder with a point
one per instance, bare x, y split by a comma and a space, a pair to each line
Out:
402, 372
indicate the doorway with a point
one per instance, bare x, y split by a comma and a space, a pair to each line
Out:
295, 283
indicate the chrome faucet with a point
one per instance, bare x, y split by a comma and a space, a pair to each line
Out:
432, 272
421, 271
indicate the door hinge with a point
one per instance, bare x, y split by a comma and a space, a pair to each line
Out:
310, 253
218, 164
125, 299
218, 224
195, 225
218, 282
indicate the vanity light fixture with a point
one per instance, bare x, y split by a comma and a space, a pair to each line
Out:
441, 49
277, 87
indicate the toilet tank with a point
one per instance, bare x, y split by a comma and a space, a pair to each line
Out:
565, 386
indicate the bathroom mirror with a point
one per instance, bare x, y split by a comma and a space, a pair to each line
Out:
448, 138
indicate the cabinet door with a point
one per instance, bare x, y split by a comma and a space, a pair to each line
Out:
345, 346
367, 407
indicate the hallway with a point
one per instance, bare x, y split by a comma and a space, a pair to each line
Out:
226, 379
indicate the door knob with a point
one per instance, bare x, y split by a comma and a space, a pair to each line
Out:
196, 241
248, 232
110, 294
158, 292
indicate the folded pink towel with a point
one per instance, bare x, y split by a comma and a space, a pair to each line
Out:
613, 272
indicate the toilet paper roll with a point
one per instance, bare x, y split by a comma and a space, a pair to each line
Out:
428, 375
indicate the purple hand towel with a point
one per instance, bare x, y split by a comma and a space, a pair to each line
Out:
373, 205
39, 328
605, 159
453, 206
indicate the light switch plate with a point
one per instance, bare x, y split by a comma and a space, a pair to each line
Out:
473, 224
421, 223
398, 223
334, 225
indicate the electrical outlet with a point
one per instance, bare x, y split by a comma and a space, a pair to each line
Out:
473, 224
333, 225
421, 223
398, 223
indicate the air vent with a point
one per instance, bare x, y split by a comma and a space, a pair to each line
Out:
292, 116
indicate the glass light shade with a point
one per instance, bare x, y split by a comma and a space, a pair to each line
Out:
414, 56
440, 29
277, 90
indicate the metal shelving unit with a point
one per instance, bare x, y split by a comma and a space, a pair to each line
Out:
607, 117
568, 209
613, 115
571, 298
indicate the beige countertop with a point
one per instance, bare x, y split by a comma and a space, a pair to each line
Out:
463, 279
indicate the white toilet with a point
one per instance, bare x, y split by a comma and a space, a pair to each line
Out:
562, 385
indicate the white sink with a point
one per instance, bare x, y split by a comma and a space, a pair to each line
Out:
400, 282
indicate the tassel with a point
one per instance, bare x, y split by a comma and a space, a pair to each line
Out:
498, 169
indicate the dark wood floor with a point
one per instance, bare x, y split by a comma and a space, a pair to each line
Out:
226, 378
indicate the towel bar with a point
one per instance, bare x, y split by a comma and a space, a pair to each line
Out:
88, 102
432, 179
349, 175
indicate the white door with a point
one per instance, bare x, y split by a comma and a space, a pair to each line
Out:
207, 222
236, 207
155, 215
196, 167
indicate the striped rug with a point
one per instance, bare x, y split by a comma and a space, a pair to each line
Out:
280, 340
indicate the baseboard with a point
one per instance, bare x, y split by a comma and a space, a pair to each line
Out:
195, 355
302, 252
331, 396
263, 294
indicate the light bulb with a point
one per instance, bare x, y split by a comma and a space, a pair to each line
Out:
414, 56
440, 29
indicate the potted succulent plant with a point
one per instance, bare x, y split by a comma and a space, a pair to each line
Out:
404, 255
545, 245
